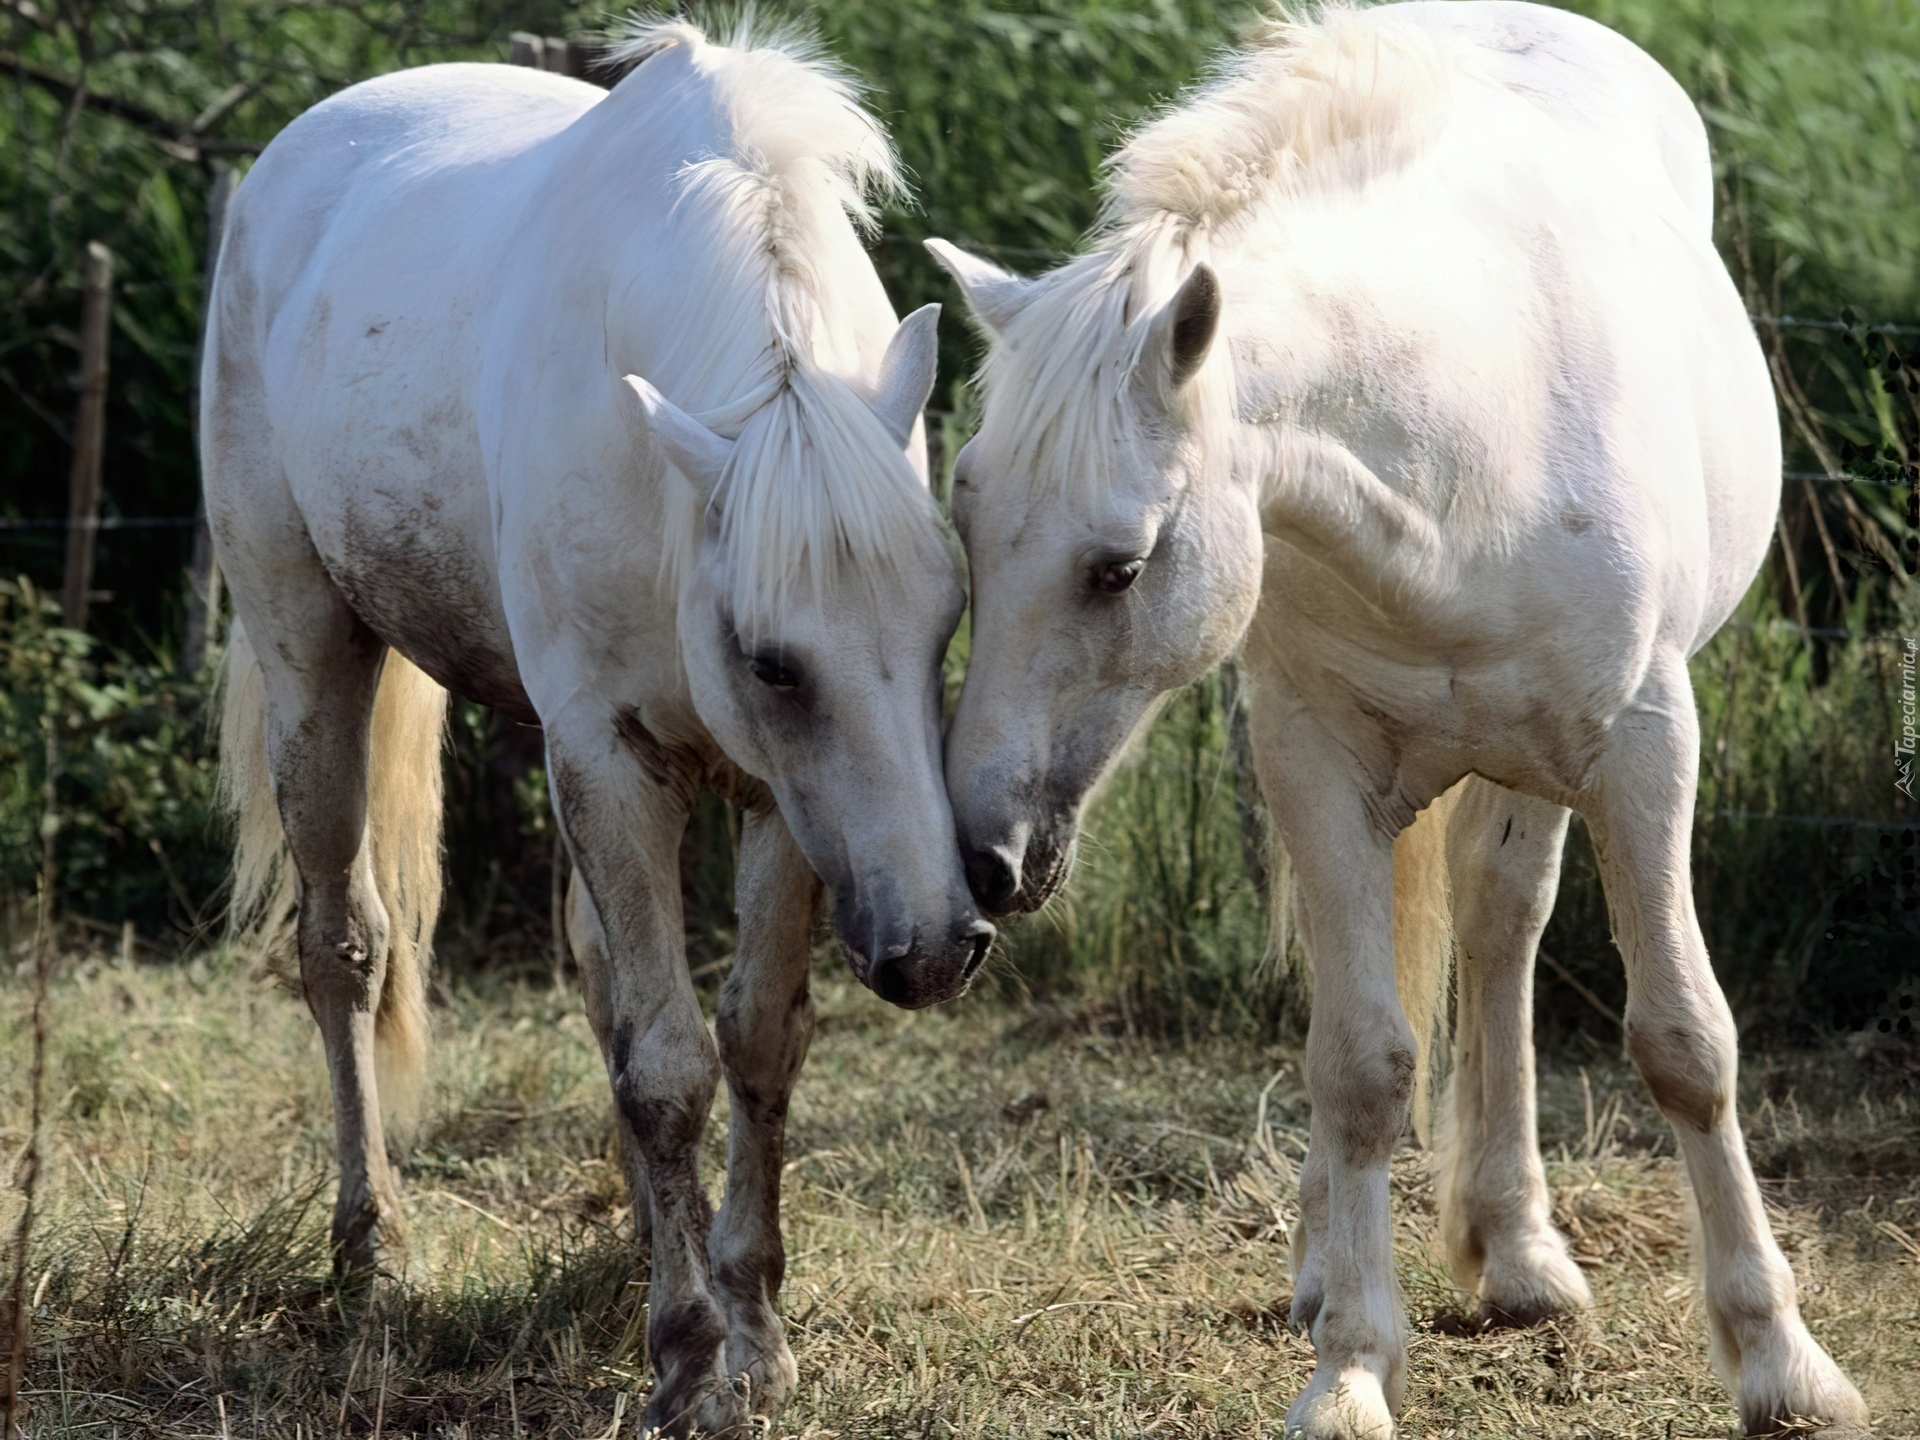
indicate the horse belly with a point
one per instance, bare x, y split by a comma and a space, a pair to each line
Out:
419, 581
377, 438
397, 507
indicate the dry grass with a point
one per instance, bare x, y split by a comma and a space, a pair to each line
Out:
996, 1228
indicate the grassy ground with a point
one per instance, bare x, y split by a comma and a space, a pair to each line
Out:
999, 1225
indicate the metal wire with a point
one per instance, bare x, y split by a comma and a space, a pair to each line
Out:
104, 522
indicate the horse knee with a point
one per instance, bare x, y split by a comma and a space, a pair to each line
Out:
1687, 1057
1363, 1076
749, 1261
664, 1092
763, 1043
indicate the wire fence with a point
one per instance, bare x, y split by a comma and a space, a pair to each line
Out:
1829, 822
1822, 632
1911, 477
1908, 477
1796, 322
17, 524
101, 522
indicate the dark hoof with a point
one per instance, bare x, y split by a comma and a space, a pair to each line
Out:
710, 1409
690, 1395
1519, 1315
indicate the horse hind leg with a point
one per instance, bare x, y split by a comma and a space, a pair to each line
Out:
1503, 860
321, 669
588, 942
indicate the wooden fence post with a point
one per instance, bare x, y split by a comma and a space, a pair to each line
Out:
89, 433
203, 570
550, 52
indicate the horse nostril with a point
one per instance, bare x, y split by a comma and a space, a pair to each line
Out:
982, 942
888, 979
993, 879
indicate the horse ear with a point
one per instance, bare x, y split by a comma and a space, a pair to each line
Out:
994, 295
906, 372
696, 452
1183, 331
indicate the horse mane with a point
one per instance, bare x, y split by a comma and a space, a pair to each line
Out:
815, 479
1329, 104
797, 120
1310, 107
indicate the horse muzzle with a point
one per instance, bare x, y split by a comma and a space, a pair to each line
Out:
1018, 876
910, 969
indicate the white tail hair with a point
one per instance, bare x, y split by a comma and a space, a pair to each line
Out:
403, 830
1423, 947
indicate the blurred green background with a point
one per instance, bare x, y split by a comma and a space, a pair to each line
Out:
117, 115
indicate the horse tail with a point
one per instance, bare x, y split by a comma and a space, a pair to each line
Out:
403, 831
1423, 947
404, 812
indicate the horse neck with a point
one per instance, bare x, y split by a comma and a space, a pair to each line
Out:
689, 301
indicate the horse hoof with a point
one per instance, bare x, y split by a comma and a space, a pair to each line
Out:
1783, 1386
1548, 1287
1349, 1405
714, 1410
766, 1372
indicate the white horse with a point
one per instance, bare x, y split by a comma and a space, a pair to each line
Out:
1404, 358
421, 452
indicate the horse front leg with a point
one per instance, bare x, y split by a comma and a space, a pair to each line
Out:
623, 826
1681, 1036
1360, 1070
764, 1023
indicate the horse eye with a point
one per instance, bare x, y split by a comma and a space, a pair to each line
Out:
1114, 578
772, 673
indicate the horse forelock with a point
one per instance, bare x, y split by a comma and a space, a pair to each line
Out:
816, 495
1072, 407
1057, 381
815, 485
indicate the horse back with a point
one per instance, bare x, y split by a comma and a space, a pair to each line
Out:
363, 257
1585, 76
